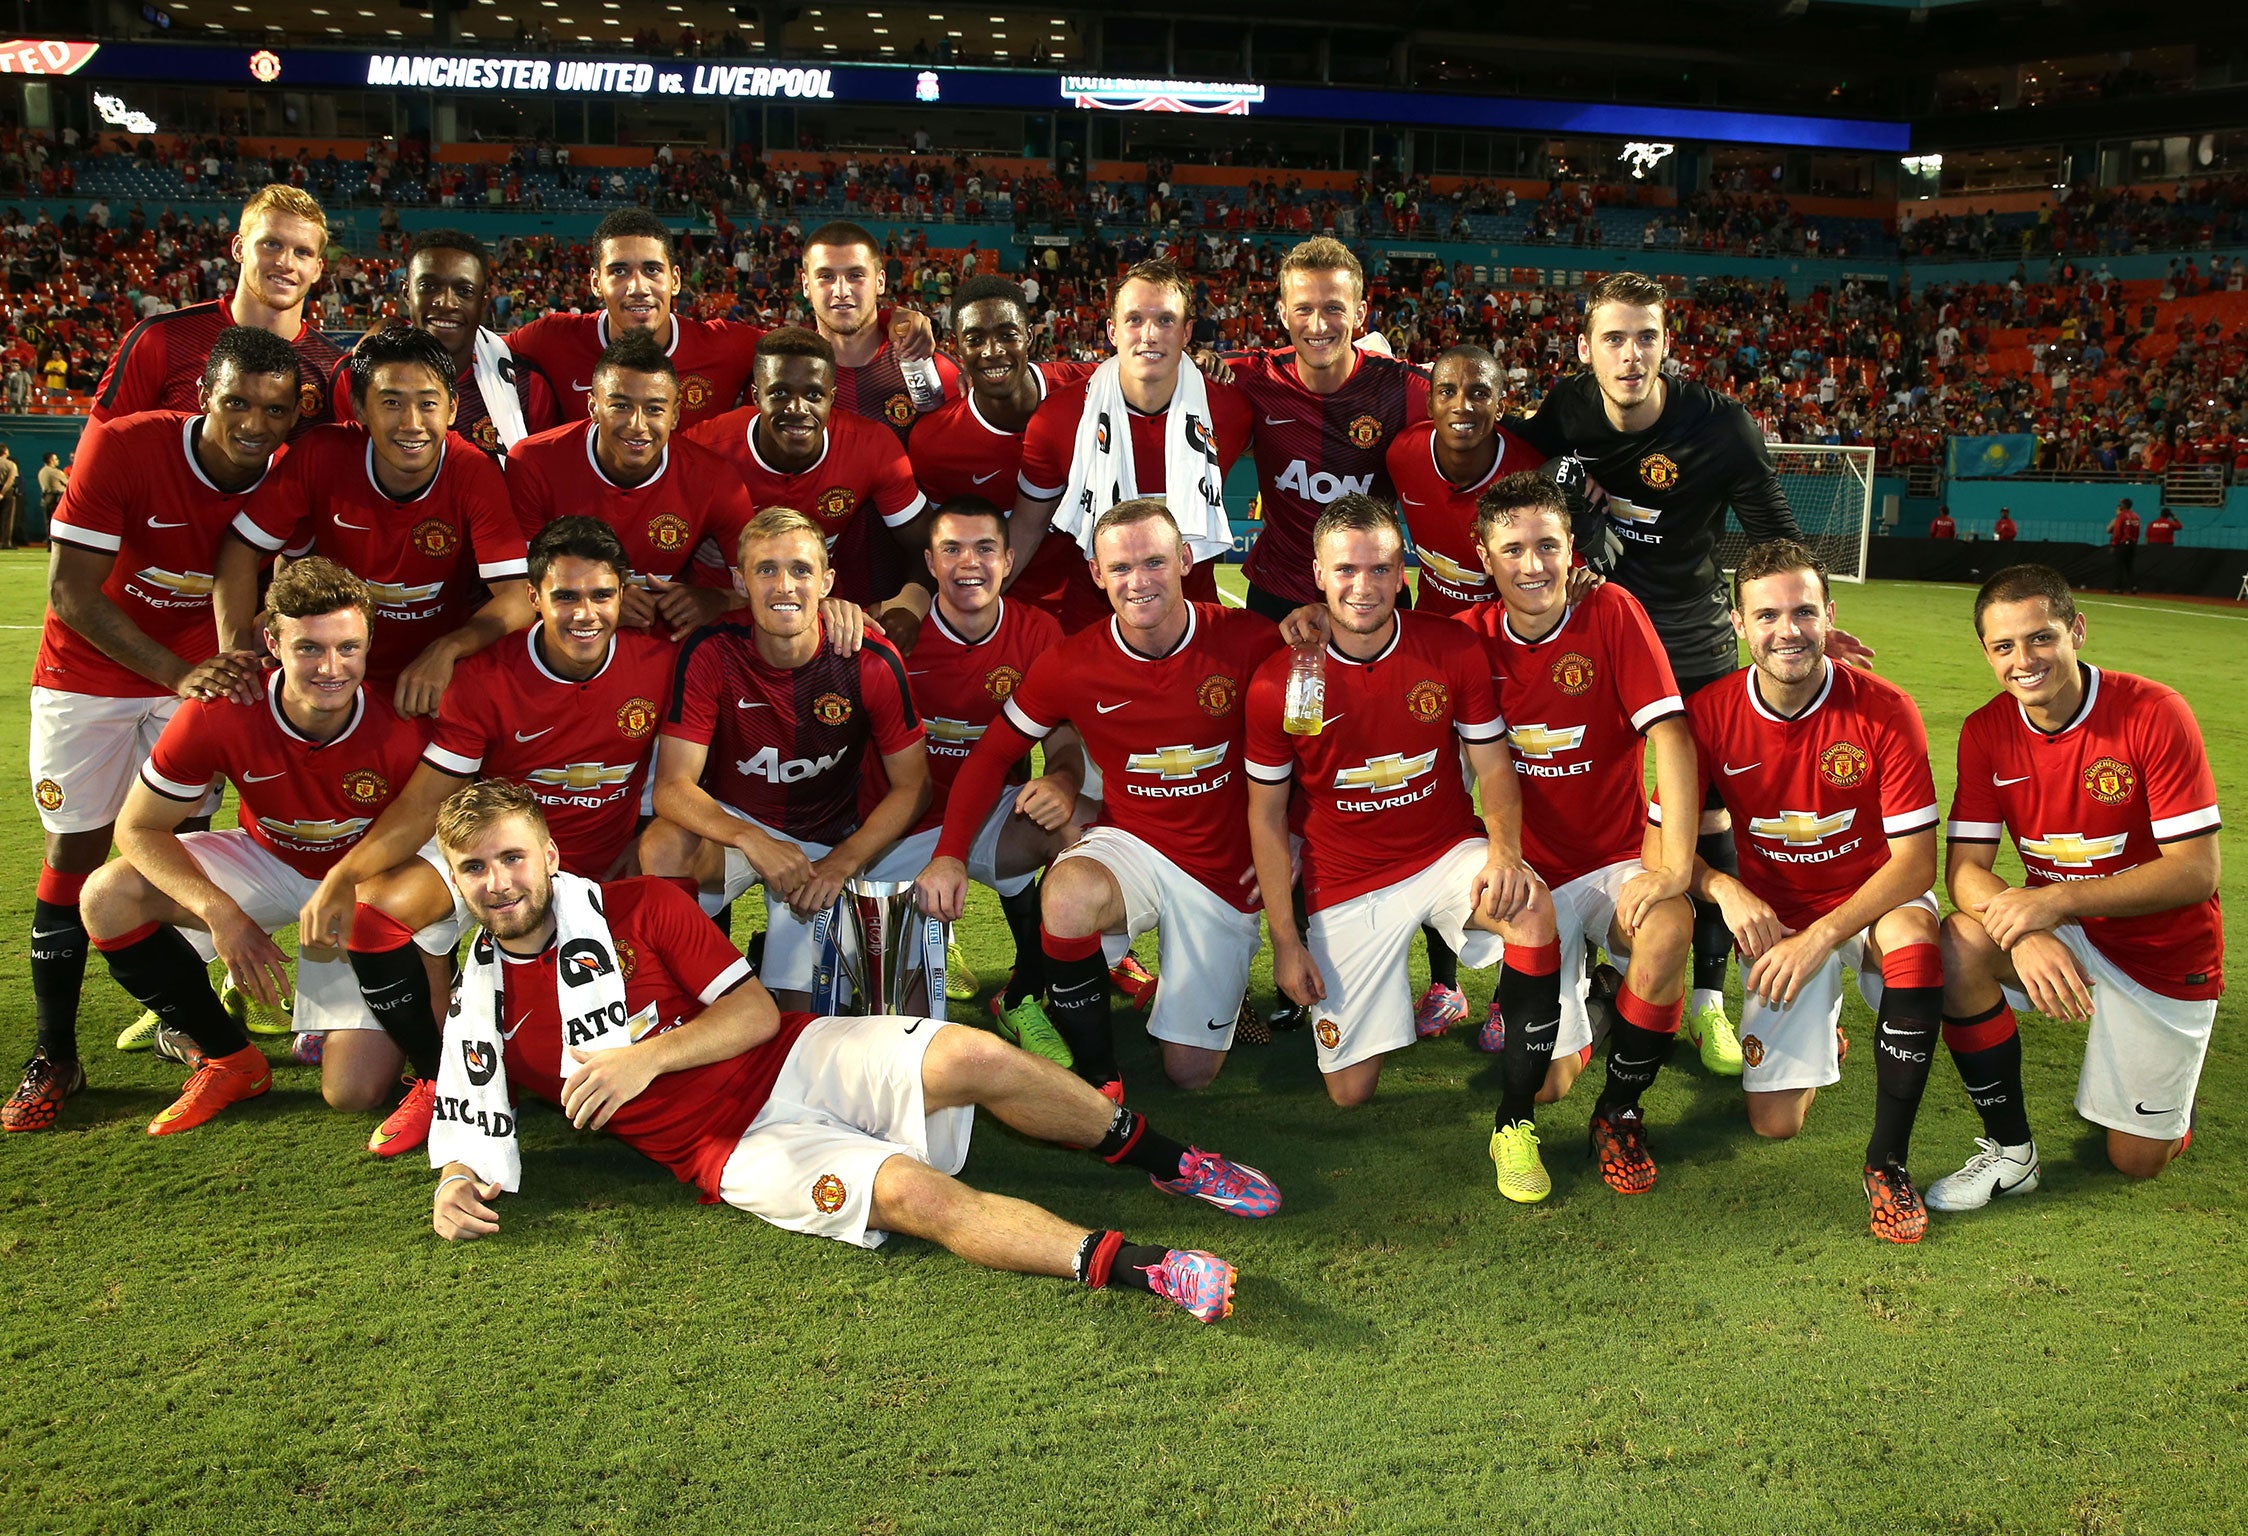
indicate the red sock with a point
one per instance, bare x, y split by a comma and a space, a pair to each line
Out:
1660, 1018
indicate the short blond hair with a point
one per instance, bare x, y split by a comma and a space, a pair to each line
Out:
291, 202
475, 808
772, 523
1322, 253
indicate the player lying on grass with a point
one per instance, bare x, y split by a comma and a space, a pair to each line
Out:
1824, 770
625, 1007
2100, 779
313, 762
1584, 686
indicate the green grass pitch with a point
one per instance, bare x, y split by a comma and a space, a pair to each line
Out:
251, 1328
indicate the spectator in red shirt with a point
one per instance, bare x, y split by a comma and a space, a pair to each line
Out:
2005, 531
1943, 527
2123, 539
2164, 528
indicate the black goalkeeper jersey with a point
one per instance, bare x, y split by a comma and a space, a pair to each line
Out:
1668, 488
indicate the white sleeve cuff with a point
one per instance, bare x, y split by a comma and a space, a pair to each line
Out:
1023, 722
900, 519
85, 538
1661, 709
247, 528
452, 762
728, 979
1269, 773
2192, 824
1974, 831
1905, 823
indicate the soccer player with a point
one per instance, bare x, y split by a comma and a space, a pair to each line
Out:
503, 398
848, 1128
973, 446
629, 468
792, 449
1326, 415
2101, 781
569, 709
1178, 434
1441, 468
780, 727
404, 504
887, 375
128, 635
1584, 686
1415, 690
1824, 769
1672, 457
313, 761
975, 647
1156, 697
278, 245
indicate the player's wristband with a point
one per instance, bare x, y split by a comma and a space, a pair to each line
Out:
450, 1178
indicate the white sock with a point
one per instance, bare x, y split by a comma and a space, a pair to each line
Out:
1705, 997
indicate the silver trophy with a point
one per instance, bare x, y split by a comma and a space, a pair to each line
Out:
878, 952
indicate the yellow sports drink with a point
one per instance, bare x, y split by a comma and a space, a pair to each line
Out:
1304, 711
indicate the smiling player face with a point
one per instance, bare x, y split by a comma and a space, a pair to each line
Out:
2031, 653
637, 283
579, 600
794, 397
1361, 572
445, 297
1528, 559
280, 256
323, 661
1323, 312
1142, 567
408, 411
786, 575
970, 559
246, 417
993, 344
845, 284
1148, 330
1785, 619
1463, 401
506, 878
633, 414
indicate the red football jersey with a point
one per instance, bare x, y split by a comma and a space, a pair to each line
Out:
1312, 449
661, 520
2097, 797
1814, 797
138, 495
159, 366
959, 686
861, 467
307, 802
1409, 708
877, 391
675, 964
787, 749
1578, 704
1165, 733
1440, 516
583, 748
713, 358
1050, 442
422, 558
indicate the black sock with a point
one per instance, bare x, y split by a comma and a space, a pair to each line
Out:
1077, 1002
1635, 1058
1530, 1002
1713, 941
1443, 960
395, 984
1904, 1043
1104, 1259
166, 975
724, 918
1987, 1050
1132, 1140
58, 975
1029, 977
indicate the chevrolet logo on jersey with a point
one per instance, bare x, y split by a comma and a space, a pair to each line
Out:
1800, 827
2073, 849
1630, 511
1537, 741
941, 729
316, 831
1176, 762
1450, 570
185, 583
581, 776
1382, 774
392, 594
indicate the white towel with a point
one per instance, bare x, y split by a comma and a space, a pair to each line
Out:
1101, 472
495, 381
475, 1121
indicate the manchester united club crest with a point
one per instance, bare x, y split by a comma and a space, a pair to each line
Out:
1365, 432
831, 709
365, 787
434, 537
486, 435
836, 504
637, 718
2110, 780
1427, 700
1659, 471
1330, 1033
899, 408
1844, 764
312, 399
628, 960
1216, 695
694, 392
828, 1194
1000, 681
668, 532
49, 795
1752, 1050
1572, 673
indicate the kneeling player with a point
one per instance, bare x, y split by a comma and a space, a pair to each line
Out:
1583, 685
1824, 769
779, 726
2101, 781
313, 763
625, 1008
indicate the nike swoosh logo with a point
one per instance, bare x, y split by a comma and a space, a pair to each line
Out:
980, 479
388, 986
153, 523
1979, 1088
1896, 1034
1327, 720
260, 778
534, 736
1110, 709
509, 1034
48, 933
749, 704
918, 671
2002, 783
2142, 1109
1280, 421
1214, 1024
1541, 1029
1081, 986
354, 527
2007, 1189
1732, 772
910, 1028
583, 386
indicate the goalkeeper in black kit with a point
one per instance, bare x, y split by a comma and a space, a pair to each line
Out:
1672, 456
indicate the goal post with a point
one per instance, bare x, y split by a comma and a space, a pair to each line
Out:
1830, 491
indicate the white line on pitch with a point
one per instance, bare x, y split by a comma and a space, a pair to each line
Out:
2191, 613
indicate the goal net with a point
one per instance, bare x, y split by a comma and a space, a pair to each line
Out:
1830, 491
